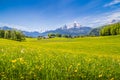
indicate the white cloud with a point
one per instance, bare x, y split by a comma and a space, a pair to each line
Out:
112, 3
90, 21
99, 20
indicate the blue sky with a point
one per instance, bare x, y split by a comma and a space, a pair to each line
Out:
41, 15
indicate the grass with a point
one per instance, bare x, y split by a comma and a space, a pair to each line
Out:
90, 58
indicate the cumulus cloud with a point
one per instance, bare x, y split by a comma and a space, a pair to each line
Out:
112, 3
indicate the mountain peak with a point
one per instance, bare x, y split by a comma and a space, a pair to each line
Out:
73, 25
114, 21
73, 29
6, 28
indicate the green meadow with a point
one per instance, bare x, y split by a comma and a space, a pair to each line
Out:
88, 58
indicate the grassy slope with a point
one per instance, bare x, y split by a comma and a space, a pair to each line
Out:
61, 59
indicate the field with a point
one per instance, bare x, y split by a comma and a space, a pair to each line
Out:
89, 58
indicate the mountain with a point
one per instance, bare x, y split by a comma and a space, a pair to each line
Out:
26, 33
95, 31
74, 30
6, 28
31, 34
114, 21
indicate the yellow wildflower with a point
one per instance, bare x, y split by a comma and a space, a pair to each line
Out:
112, 79
69, 68
75, 70
100, 75
21, 59
22, 77
13, 61
78, 64
13, 66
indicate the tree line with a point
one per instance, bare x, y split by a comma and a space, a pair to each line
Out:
12, 34
113, 29
52, 35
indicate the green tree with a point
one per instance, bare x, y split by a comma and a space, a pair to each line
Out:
13, 35
6, 35
2, 32
51, 35
65, 35
58, 35
113, 29
19, 36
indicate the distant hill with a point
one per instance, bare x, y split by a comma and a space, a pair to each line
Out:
96, 31
31, 34
74, 30
6, 28
112, 29
26, 33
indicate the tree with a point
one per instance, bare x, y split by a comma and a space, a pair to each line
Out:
65, 35
13, 35
113, 29
58, 35
2, 33
51, 35
6, 34
19, 36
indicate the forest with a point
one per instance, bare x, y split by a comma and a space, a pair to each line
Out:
12, 34
112, 29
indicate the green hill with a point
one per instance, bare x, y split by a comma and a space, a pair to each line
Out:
111, 29
90, 58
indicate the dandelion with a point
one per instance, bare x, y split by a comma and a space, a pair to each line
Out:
21, 59
13, 61
22, 77
78, 64
100, 75
13, 66
112, 79
89, 60
75, 70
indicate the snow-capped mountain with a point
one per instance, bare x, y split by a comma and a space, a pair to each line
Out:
74, 25
75, 29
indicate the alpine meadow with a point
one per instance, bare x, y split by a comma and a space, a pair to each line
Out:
59, 39
89, 58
